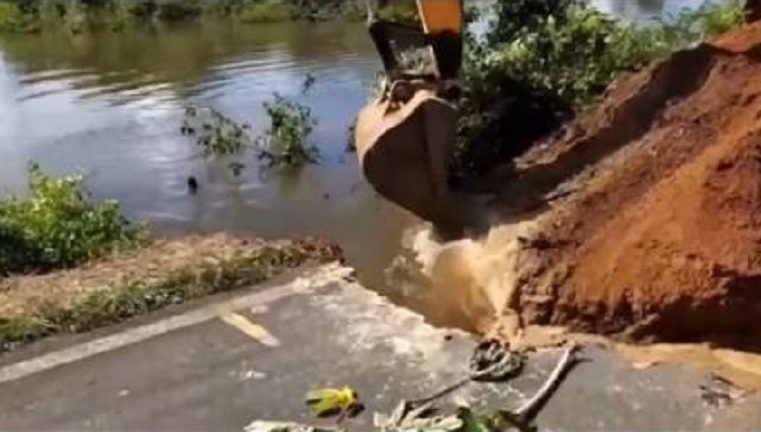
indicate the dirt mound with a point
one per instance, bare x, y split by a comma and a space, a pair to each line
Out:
661, 235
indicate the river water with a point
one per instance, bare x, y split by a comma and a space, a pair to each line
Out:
112, 105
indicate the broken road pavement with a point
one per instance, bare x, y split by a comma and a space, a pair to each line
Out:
222, 364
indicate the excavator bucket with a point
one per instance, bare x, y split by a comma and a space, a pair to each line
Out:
405, 137
404, 153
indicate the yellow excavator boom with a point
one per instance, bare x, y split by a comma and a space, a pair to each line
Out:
440, 15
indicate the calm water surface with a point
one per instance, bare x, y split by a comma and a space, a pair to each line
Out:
112, 105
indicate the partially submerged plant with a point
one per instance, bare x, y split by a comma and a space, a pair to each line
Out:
709, 19
263, 12
286, 142
121, 14
215, 133
14, 20
401, 12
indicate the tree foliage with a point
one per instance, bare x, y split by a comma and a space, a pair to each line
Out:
543, 60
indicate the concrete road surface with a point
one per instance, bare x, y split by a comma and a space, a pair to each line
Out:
219, 365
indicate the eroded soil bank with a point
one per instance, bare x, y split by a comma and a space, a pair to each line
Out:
640, 220
657, 234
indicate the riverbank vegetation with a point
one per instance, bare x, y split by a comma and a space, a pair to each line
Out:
69, 264
541, 61
131, 283
58, 226
25, 16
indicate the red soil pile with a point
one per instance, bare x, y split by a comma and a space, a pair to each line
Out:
661, 237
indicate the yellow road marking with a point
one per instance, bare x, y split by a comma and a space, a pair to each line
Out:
256, 331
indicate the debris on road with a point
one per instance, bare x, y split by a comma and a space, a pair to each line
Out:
718, 392
331, 402
425, 416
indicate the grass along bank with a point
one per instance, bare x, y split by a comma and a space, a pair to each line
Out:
69, 264
130, 283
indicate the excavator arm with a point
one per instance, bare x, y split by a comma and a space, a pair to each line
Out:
405, 137
441, 29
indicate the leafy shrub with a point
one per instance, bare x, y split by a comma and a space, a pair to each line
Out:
542, 60
14, 20
261, 12
405, 12
58, 226
286, 142
10, 17
121, 14
711, 19
216, 134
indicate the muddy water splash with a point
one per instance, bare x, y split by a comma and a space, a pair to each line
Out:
473, 284
467, 283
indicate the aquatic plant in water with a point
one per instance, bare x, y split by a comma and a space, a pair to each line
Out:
285, 143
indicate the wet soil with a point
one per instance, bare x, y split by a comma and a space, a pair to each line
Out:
657, 235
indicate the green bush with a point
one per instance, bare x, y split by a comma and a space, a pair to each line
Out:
14, 20
542, 60
405, 12
260, 12
711, 19
121, 15
216, 134
286, 142
58, 226
10, 17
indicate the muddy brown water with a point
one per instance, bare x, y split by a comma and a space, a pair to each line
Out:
112, 105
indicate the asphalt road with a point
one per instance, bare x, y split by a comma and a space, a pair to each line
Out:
219, 366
